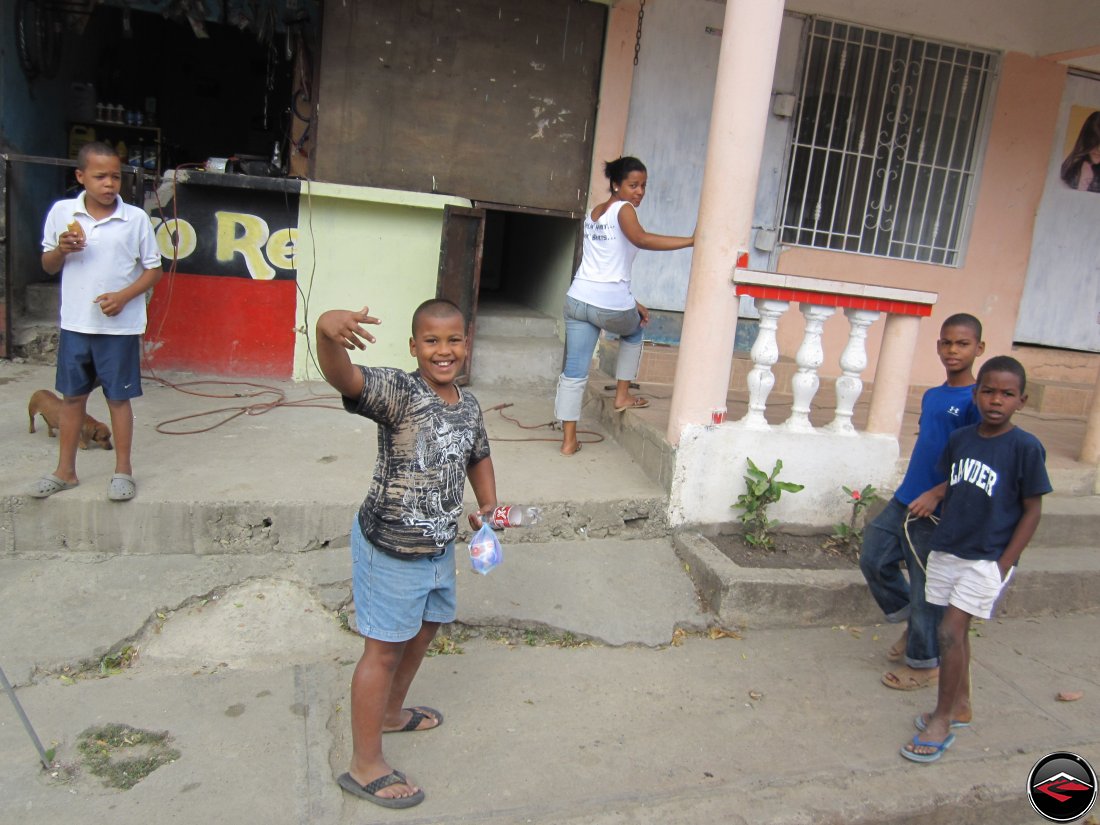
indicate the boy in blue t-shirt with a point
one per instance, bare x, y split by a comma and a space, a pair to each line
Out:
996, 478
944, 409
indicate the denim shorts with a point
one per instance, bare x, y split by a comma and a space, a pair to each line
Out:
85, 361
394, 597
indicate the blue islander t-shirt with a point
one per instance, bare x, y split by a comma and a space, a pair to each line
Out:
943, 410
987, 482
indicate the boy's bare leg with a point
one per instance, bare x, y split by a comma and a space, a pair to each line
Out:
954, 638
415, 649
73, 409
370, 688
122, 422
569, 442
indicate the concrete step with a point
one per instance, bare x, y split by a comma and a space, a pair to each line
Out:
35, 340
83, 524
1059, 398
1068, 521
509, 361
1050, 581
514, 320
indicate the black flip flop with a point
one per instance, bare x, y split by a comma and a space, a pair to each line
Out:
419, 714
370, 791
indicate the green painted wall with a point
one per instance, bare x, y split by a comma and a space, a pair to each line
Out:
360, 246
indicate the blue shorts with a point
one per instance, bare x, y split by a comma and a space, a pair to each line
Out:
394, 597
85, 361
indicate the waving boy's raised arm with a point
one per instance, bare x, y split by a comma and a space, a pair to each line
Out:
338, 331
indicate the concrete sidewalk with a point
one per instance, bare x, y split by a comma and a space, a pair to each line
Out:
584, 682
241, 660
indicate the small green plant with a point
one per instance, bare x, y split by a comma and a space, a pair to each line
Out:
113, 664
761, 491
850, 536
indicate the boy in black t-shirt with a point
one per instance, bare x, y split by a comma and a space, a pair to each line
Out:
431, 439
995, 482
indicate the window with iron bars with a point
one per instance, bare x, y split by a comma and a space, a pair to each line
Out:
885, 144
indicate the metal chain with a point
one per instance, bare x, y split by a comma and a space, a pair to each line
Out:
638, 37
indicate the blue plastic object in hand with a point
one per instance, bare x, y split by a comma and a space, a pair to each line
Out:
485, 551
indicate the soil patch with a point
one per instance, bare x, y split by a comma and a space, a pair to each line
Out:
791, 552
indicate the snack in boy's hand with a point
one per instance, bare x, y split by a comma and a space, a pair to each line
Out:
76, 229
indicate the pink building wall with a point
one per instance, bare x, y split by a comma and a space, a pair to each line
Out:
991, 281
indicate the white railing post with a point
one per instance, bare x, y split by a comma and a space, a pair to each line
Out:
810, 356
765, 353
853, 361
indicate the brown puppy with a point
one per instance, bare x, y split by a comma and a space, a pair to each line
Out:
48, 405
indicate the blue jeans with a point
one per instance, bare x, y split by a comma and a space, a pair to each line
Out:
884, 549
583, 324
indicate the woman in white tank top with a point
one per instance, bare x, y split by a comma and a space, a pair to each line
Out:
600, 296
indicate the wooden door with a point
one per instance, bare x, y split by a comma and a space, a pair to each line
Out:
459, 279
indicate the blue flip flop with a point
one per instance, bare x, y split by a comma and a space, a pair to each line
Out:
919, 724
927, 757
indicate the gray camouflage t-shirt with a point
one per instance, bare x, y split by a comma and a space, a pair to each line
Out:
424, 448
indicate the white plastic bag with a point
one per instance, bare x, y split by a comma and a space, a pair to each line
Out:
485, 552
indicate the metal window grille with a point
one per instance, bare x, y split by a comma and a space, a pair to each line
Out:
885, 144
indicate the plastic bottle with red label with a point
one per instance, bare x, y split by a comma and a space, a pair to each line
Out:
515, 515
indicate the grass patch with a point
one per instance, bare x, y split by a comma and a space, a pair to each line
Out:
122, 756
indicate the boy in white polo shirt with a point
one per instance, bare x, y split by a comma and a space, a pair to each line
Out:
108, 257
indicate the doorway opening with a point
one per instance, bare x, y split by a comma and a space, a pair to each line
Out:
528, 258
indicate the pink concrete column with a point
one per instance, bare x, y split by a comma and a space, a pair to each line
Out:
742, 95
895, 361
1090, 449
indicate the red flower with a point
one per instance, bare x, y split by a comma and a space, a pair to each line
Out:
856, 495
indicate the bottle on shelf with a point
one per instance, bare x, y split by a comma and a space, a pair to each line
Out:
515, 515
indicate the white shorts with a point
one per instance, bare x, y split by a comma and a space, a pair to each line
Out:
971, 585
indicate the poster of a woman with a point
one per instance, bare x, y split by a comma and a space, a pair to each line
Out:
1081, 168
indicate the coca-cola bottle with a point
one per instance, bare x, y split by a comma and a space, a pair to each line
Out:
515, 515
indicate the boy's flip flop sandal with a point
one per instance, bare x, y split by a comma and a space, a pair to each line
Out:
121, 487
48, 485
370, 790
419, 714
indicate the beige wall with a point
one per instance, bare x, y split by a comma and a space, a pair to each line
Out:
991, 281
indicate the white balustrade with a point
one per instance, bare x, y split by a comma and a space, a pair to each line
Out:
818, 299
810, 356
853, 361
765, 353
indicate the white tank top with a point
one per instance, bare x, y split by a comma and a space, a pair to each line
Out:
603, 278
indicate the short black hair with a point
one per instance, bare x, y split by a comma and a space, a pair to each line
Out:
437, 308
963, 319
617, 170
96, 147
1004, 363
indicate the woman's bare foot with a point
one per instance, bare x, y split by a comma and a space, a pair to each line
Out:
570, 447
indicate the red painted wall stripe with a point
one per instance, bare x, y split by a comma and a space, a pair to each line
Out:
222, 326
